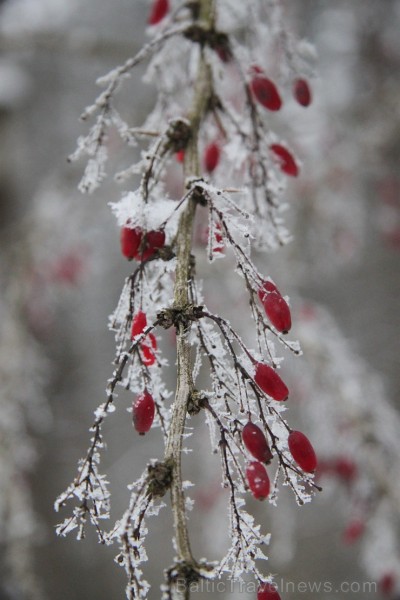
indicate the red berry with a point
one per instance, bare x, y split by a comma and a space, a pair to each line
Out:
139, 323
258, 480
353, 531
302, 451
267, 286
256, 442
287, 163
180, 156
267, 591
130, 241
387, 584
270, 382
265, 91
211, 157
158, 11
143, 412
153, 241
345, 468
218, 239
147, 347
278, 312
302, 92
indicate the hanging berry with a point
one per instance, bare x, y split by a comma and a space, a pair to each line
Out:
141, 245
130, 241
267, 591
302, 92
148, 348
143, 410
139, 324
278, 312
256, 442
270, 382
218, 245
286, 161
265, 92
153, 241
258, 480
211, 157
266, 287
302, 451
158, 11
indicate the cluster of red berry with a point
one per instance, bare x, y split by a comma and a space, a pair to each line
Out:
143, 408
140, 245
266, 93
268, 380
257, 445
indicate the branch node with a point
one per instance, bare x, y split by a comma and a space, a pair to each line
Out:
196, 402
169, 317
178, 134
159, 478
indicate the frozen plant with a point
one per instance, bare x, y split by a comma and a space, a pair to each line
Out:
222, 71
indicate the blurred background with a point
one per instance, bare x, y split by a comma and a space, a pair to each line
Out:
61, 276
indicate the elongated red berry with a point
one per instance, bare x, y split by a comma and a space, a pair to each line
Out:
153, 241
180, 156
278, 312
258, 480
130, 241
158, 11
139, 323
266, 92
267, 591
143, 410
353, 531
286, 161
270, 382
211, 157
148, 347
218, 239
256, 442
302, 92
266, 287
302, 451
